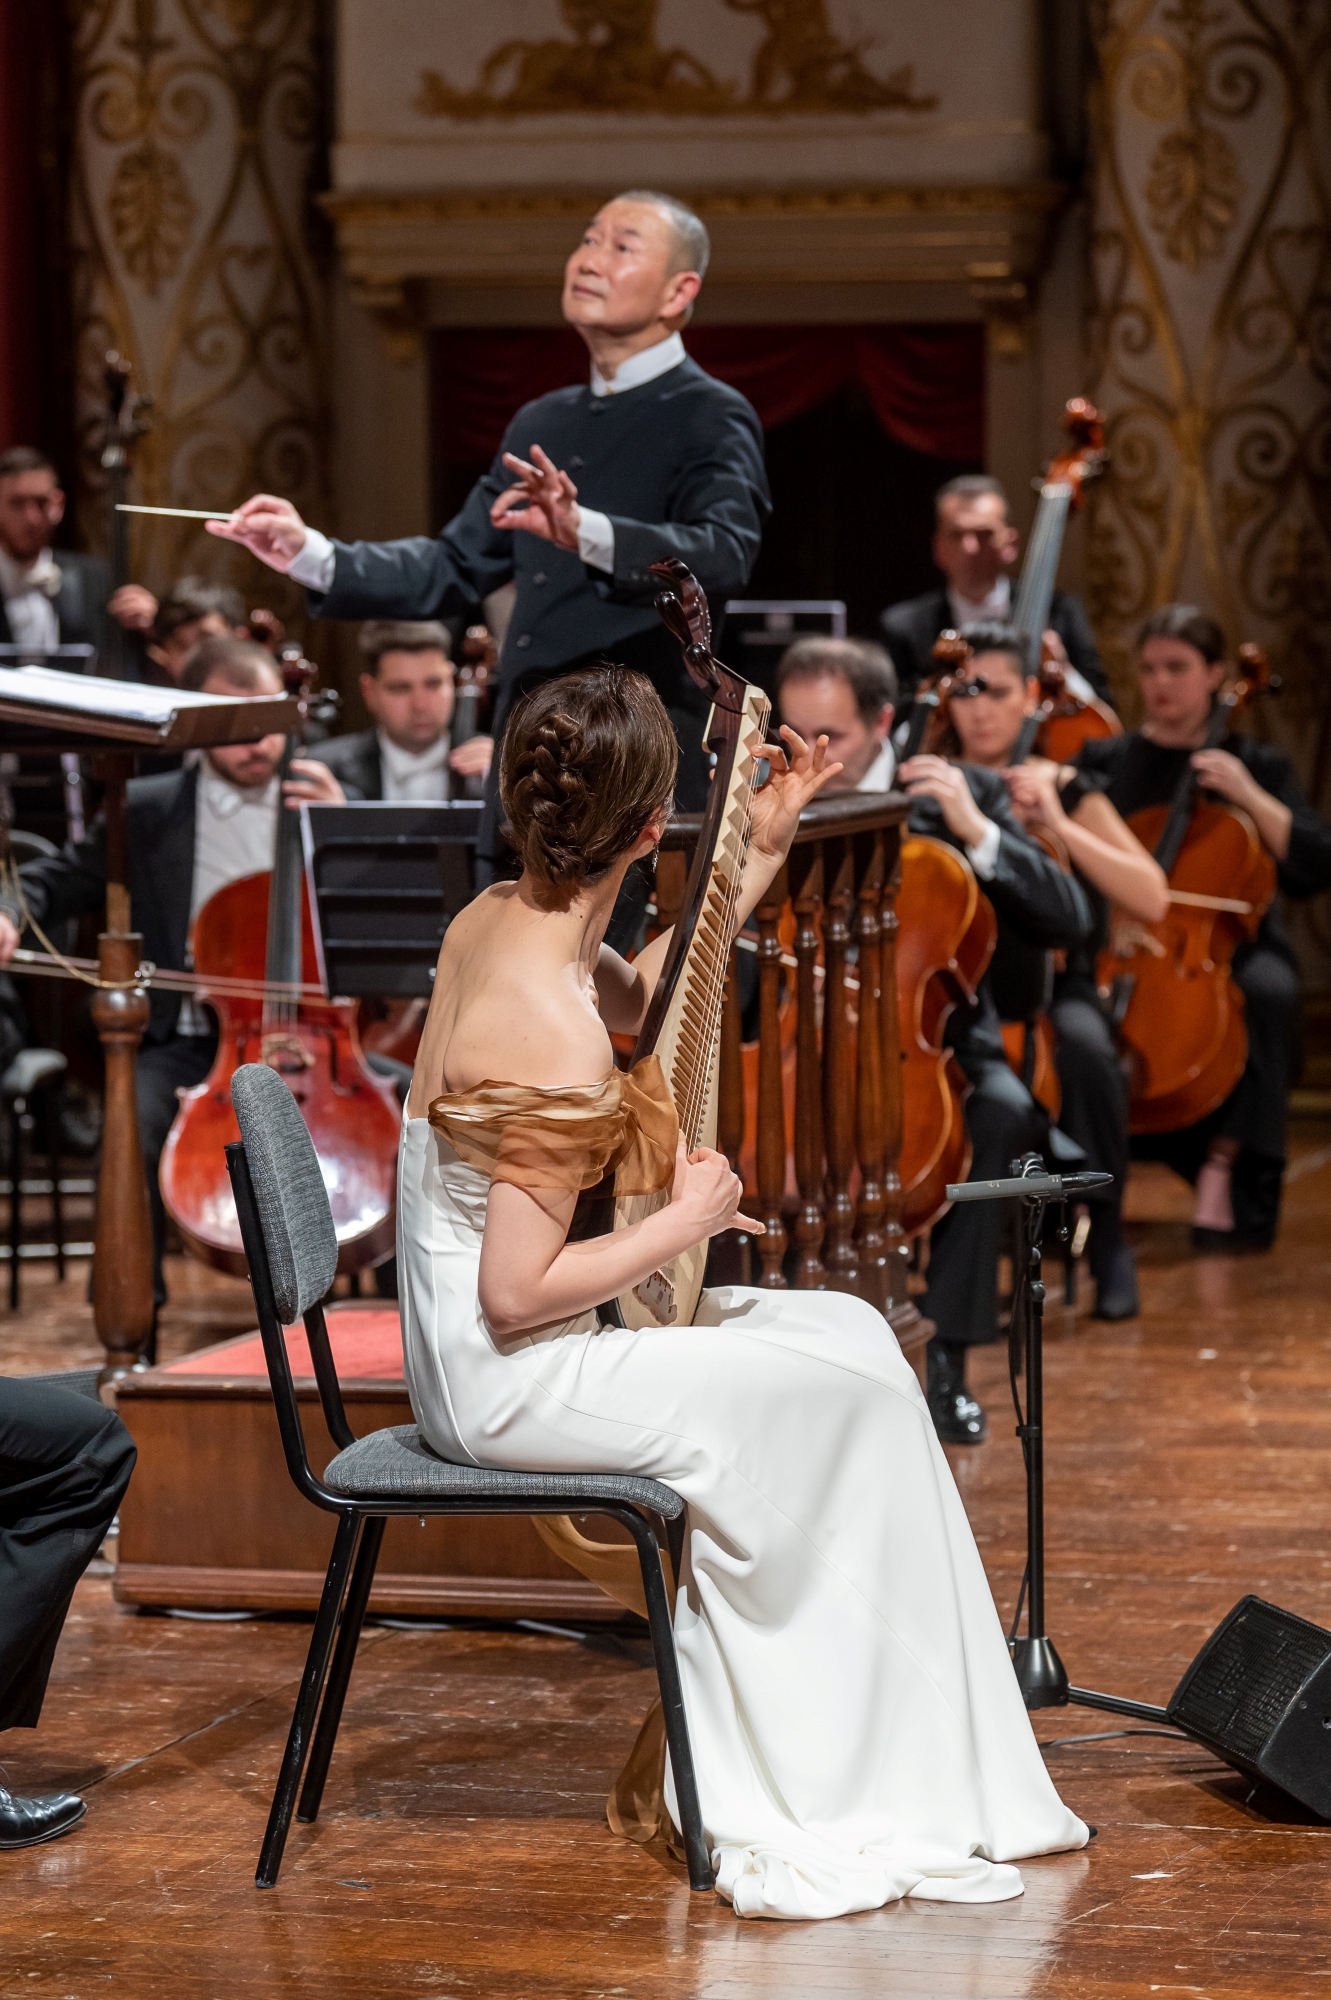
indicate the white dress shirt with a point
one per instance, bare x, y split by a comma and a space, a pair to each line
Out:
314, 567
996, 608
411, 776
879, 776
235, 832
30, 591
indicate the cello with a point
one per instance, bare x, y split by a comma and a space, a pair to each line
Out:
255, 940
1182, 1028
946, 936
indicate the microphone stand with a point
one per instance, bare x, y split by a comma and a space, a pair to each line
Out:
1041, 1675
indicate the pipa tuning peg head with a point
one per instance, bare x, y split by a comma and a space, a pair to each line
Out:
682, 607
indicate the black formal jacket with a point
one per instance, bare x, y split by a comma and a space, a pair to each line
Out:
1041, 907
908, 631
1135, 773
161, 879
677, 465
80, 606
357, 761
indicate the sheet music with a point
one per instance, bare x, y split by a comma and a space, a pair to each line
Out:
169, 714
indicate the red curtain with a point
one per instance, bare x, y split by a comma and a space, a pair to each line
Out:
19, 301
925, 382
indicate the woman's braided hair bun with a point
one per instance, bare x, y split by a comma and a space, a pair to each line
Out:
586, 762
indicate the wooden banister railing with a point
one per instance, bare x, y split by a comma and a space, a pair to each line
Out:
826, 1005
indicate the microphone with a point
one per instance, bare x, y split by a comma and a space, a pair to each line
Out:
1056, 1187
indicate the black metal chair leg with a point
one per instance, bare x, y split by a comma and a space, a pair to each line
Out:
15, 1200
672, 1702
307, 1701
54, 1101
339, 1675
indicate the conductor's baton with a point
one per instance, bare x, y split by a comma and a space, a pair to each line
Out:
1059, 1187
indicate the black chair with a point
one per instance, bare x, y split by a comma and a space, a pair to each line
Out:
36, 1076
287, 1230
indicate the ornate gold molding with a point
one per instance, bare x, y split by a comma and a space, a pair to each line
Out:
572, 205
198, 128
1211, 335
614, 62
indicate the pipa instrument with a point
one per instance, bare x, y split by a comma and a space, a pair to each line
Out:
683, 1023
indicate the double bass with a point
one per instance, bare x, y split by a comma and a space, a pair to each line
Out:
1067, 719
945, 940
254, 963
1181, 1024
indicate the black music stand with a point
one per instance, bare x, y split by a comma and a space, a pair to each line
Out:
1041, 1675
385, 882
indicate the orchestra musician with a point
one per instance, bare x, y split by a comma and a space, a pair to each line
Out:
1236, 1157
50, 598
845, 689
192, 610
407, 685
65, 1463
825, 1546
975, 545
651, 459
191, 832
1112, 864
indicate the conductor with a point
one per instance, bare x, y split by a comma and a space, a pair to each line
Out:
652, 458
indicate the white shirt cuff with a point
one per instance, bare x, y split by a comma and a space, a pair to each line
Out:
983, 857
596, 540
315, 564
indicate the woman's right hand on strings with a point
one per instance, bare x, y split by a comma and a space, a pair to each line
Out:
708, 1194
269, 528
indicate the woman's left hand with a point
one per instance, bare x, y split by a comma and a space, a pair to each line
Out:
1034, 793
795, 775
1220, 771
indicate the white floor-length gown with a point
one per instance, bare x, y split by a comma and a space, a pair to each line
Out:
856, 1724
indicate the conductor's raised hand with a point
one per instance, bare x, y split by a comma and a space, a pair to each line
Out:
269, 528
706, 1195
542, 500
795, 775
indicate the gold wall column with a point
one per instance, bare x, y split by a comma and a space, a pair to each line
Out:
1211, 336
199, 129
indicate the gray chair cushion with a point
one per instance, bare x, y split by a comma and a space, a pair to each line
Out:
288, 1189
397, 1464
30, 1069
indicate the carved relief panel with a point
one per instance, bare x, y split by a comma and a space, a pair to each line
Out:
1211, 337
199, 124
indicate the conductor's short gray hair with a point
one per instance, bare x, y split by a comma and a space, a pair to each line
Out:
693, 246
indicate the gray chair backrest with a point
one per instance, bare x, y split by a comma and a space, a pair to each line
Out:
288, 1190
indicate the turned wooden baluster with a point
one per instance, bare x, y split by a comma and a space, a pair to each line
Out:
771, 1097
839, 1092
730, 1105
870, 1240
805, 870
122, 1289
896, 1300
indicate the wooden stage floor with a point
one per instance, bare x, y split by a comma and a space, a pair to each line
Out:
462, 1850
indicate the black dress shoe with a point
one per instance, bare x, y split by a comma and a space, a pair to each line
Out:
1232, 1242
958, 1418
1116, 1286
26, 1822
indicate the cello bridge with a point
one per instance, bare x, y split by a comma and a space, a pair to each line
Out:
285, 1052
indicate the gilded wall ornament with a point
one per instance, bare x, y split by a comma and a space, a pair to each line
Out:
197, 133
1211, 344
1192, 193
615, 62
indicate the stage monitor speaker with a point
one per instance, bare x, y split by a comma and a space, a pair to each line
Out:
1259, 1695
